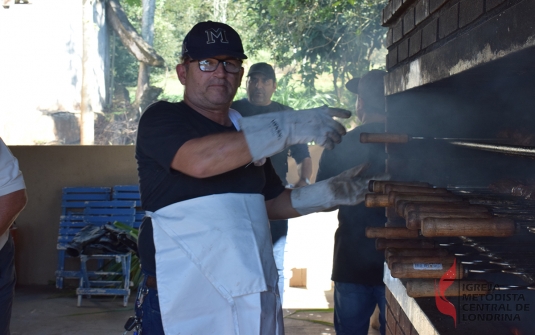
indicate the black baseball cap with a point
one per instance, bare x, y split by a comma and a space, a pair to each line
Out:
263, 68
370, 87
210, 39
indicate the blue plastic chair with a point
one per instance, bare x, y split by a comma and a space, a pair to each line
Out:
130, 192
73, 201
98, 282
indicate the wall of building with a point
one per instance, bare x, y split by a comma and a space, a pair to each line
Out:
41, 70
47, 169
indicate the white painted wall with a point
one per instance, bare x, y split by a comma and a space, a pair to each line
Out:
41, 66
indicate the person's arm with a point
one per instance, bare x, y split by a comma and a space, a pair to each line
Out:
305, 172
10, 206
280, 208
212, 155
348, 188
265, 135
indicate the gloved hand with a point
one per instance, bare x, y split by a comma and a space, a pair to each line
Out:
268, 134
348, 188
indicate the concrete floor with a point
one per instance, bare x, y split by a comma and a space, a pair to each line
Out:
48, 311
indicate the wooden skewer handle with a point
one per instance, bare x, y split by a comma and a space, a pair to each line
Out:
424, 270
378, 186
425, 288
415, 218
383, 138
394, 197
376, 200
382, 244
391, 232
414, 189
442, 207
494, 227
401, 204
414, 252
421, 259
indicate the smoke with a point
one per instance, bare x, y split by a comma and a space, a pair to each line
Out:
486, 103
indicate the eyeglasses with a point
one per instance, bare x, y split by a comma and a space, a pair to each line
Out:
211, 64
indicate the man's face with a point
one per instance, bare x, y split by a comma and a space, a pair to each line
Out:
260, 89
209, 90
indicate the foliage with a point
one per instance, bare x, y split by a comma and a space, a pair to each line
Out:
125, 64
135, 266
288, 93
321, 36
313, 41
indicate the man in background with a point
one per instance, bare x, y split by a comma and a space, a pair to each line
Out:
357, 266
261, 84
12, 202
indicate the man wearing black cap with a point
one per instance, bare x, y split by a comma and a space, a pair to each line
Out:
261, 84
204, 246
357, 266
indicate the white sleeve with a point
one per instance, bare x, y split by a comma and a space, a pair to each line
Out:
11, 179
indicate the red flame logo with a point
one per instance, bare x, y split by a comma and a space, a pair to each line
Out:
444, 305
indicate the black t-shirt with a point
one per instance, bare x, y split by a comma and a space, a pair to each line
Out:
280, 161
163, 129
355, 258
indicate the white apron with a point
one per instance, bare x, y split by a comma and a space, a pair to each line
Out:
215, 268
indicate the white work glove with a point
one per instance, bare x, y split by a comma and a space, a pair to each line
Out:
268, 134
348, 188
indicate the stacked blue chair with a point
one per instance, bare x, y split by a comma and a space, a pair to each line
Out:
72, 220
130, 192
98, 282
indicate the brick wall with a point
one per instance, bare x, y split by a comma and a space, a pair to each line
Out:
397, 322
418, 26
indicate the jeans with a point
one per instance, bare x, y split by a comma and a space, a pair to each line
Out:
278, 254
354, 305
7, 284
149, 313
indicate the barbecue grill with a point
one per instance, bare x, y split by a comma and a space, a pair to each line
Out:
459, 237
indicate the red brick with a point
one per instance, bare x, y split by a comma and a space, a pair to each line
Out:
397, 33
395, 309
388, 39
387, 12
403, 50
396, 5
415, 43
493, 3
399, 331
392, 58
435, 4
408, 21
469, 10
390, 318
421, 11
448, 21
404, 323
429, 34
388, 295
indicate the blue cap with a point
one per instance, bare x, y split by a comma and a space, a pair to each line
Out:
210, 39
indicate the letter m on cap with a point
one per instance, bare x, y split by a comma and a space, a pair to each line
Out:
212, 34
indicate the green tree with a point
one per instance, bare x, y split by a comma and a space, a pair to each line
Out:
319, 36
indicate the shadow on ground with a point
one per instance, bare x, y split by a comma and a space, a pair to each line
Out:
40, 310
